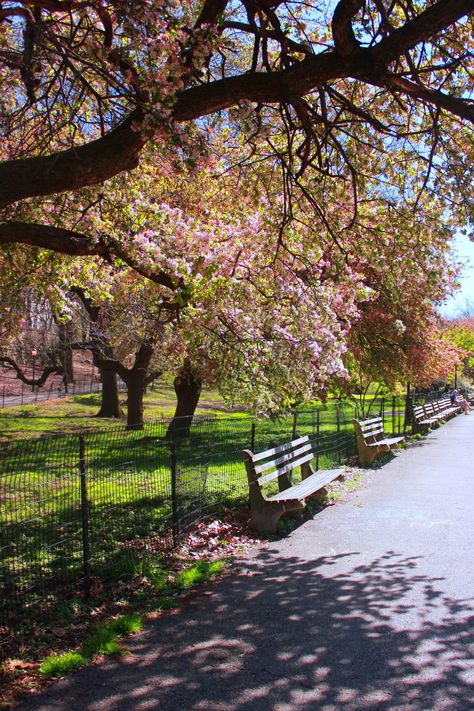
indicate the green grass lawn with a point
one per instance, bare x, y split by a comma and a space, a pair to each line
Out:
76, 413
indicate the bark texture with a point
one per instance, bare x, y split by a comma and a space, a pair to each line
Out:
110, 405
187, 386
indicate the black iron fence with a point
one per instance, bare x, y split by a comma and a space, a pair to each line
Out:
27, 396
77, 511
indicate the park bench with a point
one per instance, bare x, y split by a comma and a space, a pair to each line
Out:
446, 408
279, 463
372, 441
421, 420
441, 409
432, 413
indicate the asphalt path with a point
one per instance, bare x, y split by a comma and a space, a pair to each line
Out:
31, 398
367, 606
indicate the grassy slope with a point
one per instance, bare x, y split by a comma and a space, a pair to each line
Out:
76, 413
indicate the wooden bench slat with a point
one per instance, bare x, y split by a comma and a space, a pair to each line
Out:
371, 419
277, 450
373, 433
372, 429
389, 441
285, 469
286, 458
308, 486
373, 424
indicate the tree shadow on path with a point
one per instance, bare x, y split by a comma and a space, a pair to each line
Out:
287, 633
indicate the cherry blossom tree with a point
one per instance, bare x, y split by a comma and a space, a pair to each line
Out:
460, 332
361, 92
234, 292
220, 294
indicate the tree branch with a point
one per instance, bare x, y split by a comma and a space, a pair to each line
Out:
102, 360
34, 382
423, 27
460, 107
77, 244
119, 150
211, 11
345, 40
54, 238
75, 168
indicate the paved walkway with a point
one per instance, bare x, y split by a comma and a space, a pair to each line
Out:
367, 606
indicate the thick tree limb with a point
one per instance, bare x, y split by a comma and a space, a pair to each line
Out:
54, 238
75, 168
77, 244
101, 360
425, 26
459, 107
345, 40
119, 150
34, 382
210, 12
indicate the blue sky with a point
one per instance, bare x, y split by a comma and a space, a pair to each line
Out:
464, 249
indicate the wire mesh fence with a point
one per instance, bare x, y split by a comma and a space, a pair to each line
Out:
80, 510
77, 511
26, 395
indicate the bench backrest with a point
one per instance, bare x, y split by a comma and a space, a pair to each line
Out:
430, 408
371, 430
278, 462
446, 404
419, 412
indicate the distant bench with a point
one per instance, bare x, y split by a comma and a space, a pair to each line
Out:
432, 413
278, 463
372, 441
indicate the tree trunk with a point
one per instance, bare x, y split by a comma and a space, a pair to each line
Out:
187, 386
65, 339
110, 405
135, 392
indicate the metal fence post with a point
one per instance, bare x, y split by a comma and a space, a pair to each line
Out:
252, 437
174, 499
318, 419
409, 402
393, 414
338, 425
84, 518
295, 419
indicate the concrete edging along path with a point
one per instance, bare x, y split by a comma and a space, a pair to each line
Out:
369, 605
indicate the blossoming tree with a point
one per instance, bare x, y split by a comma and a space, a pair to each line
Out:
358, 91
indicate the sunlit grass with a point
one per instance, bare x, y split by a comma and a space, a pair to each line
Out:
75, 413
199, 573
62, 664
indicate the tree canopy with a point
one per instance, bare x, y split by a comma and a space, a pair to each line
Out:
289, 172
338, 88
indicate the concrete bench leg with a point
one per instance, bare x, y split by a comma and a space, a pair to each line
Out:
265, 519
319, 496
